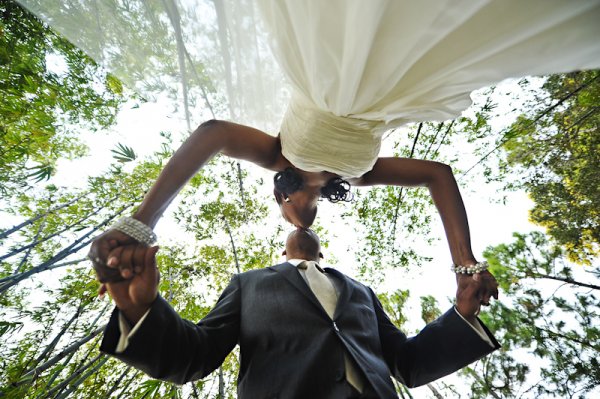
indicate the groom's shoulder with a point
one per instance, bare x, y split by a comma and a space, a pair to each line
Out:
263, 271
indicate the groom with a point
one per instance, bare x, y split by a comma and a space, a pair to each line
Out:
303, 332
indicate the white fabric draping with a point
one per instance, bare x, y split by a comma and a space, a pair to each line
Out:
354, 68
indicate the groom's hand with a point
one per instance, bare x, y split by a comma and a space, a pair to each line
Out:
473, 291
135, 295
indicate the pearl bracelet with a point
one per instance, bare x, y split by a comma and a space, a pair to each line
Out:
473, 269
136, 230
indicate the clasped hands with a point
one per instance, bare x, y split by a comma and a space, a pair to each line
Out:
127, 270
473, 291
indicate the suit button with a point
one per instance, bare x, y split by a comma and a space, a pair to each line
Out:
335, 327
340, 375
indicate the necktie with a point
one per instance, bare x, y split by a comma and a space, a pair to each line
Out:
325, 292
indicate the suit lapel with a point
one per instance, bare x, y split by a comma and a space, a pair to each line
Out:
345, 293
289, 272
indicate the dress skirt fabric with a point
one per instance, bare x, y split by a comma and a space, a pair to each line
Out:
381, 64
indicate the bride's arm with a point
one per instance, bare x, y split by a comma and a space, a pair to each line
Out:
439, 179
208, 139
473, 290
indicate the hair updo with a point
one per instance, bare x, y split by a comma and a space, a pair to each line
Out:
289, 181
336, 190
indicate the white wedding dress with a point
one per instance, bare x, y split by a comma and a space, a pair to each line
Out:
356, 68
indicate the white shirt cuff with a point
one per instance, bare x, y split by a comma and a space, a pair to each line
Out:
477, 328
127, 332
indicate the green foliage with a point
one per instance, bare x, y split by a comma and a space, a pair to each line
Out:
47, 86
429, 309
548, 314
393, 304
389, 218
556, 152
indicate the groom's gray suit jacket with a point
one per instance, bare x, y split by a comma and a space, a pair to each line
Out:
289, 347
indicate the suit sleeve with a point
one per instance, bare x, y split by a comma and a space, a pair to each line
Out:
170, 348
444, 346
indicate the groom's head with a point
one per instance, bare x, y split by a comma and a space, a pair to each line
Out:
303, 244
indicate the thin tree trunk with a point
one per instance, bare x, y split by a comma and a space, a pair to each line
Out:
84, 377
33, 374
72, 262
58, 371
118, 382
50, 347
57, 233
235, 256
435, 392
74, 247
239, 173
127, 384
18, 227
221, 384
26, 256
57, 389
194, 390
400, 194
175, 18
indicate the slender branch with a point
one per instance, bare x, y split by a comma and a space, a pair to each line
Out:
437, 132
75, 374
221, 384
127, 384
26, 256
46, 238
175, 18
32, 375
435, 392
50, 347
235, 255
565, 280
509, 134
18, 227
400, 196
555, 334
73, 248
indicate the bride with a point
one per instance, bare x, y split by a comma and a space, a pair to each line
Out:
357, 69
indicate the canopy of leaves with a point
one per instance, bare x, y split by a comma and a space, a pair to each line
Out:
557, 149
546, 314
47, 87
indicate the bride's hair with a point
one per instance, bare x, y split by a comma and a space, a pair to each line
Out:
289, 181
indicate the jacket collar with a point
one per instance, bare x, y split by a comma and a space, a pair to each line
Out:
289, 272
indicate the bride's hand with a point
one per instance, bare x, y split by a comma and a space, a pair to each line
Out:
473, 291
105, 257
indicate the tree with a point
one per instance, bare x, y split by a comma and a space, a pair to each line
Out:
47, 87
549, 315
556, 150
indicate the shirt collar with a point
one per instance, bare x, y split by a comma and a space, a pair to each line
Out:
296, 262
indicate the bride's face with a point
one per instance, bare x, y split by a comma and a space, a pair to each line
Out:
300, 208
